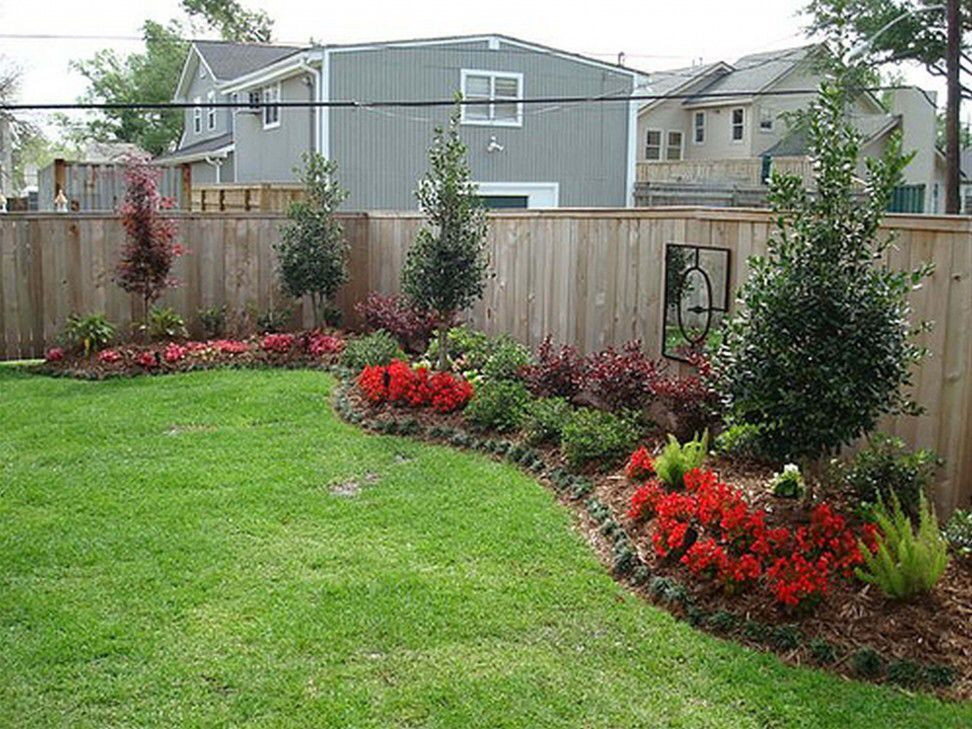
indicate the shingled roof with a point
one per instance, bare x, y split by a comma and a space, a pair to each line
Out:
755, 72
228, 60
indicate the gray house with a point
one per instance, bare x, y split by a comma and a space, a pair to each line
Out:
521, 155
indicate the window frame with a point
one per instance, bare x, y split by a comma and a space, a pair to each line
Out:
660, 145
269, 106
696, 127
211, 112
769, 116
492, 121
741, 125
668, 145
197, 115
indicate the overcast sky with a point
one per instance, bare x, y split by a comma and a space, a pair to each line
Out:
652, 34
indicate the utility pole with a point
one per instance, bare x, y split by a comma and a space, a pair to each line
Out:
953, 98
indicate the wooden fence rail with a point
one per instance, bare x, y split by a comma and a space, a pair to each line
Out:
588, 277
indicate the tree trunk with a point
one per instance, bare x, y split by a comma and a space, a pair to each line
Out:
316, 310
443, 346
954, 95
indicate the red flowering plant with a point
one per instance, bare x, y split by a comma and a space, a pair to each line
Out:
174, 353
640, 465
644, 501
400, 384
713, 531
54, 354
320, 344
109, 356
230, 346
277, 343
147, 360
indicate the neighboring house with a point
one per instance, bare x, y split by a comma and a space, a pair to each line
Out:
521, 155
6, 160
966, 185
726, 125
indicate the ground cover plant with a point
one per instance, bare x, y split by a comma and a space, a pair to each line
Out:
166, 556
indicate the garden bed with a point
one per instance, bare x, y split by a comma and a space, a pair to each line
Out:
924, 643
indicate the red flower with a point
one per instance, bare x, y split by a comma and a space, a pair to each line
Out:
231, 346
109, 356
644, 501
278, 343
147, 360
174, 352
640, 465
320, 344
54, 354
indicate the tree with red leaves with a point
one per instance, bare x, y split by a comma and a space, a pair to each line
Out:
150, 247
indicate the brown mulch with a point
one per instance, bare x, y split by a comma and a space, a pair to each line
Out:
935, 629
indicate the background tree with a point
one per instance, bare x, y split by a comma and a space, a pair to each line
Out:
822, 345
445, 268
150, 248
152, 75
312, 254
917, 36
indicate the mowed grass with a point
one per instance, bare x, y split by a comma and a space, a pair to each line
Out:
172, 554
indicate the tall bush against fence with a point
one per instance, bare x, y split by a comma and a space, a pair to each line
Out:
150, 249
445, 268
822, 345
312, 253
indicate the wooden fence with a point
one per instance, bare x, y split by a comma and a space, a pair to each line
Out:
588, 277
266, 197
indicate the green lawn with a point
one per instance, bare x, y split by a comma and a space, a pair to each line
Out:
172, 554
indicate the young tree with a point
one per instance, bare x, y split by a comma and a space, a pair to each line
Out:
313, 252
445, 268
822, 345
150, 248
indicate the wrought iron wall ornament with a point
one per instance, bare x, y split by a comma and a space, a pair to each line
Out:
696, 297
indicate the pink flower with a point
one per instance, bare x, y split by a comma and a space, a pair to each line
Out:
54, 354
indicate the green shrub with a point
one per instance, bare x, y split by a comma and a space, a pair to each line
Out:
506, 357
822, 345
88, 333
498, 405
867, 663
788, 483
165, 323
740, 440
823, 652
887, 468
213, 321
377, 348
676, 459
906, 562
597, 436
545, 419
958, 532
274, 320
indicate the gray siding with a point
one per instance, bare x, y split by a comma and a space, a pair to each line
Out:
270, 155
201, 87
382, 153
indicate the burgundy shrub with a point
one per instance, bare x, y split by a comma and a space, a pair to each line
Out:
150, 248
399, 317
621, 378
557, 372
692, 399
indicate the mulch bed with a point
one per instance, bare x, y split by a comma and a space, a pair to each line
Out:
933, 632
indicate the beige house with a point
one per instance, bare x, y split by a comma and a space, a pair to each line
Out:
725, 125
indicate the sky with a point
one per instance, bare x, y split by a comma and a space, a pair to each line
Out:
653, 35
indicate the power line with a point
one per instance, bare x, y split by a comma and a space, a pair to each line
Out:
405, 103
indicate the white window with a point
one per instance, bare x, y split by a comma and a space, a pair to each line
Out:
211, 111
653, 144
673, 146
698, 122
271, 113
502, 91
765, 119
254, 99
738, 124
197, 116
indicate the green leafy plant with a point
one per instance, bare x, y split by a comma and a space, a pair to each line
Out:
274, 320
545, 420
906, 562
788, 483
595, 436
676, 459
739, 440
312, 255
213, 321
506, 359
164, 323
958, 532
377, 348
467, 349
822, 345
886, 467
867, 663
88, 333
445, 268
499, 405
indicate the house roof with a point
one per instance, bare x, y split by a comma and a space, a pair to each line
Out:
199, 150
870, 126
227, 59
670, 80
753, 73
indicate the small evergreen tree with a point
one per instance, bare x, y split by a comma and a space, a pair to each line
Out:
150, 248
822, 346
445, 268
312, 255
